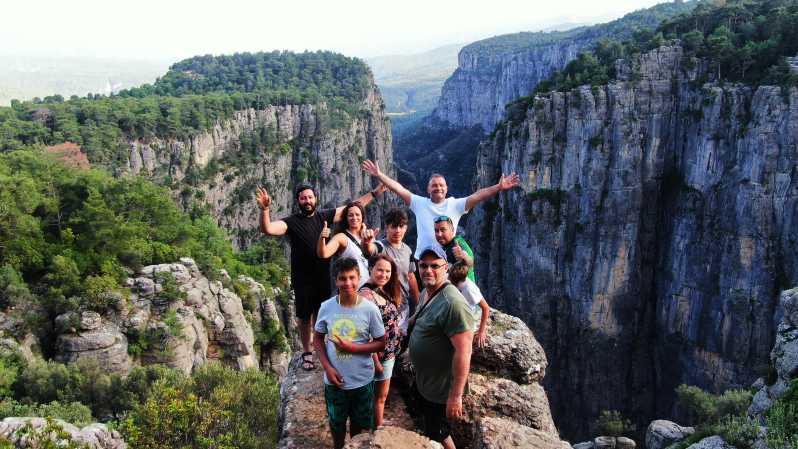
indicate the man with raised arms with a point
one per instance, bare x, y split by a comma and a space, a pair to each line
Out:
310, 275
426, 209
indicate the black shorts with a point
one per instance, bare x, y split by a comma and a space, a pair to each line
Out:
309, 296
435, 424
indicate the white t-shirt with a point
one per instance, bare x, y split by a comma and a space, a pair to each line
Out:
426, 211
473, 297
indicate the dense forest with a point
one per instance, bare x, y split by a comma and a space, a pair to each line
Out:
192, 96
741, 40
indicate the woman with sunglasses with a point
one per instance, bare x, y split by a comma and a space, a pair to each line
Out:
384, 290
352, 239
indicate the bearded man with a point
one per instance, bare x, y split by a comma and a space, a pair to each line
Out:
310, 275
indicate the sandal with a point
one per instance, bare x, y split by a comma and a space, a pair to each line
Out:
307, 361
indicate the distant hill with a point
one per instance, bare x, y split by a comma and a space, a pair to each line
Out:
412, 83
27, 77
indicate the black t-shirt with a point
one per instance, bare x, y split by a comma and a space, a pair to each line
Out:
303, 232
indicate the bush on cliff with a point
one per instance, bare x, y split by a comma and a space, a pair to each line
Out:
782, 420
724, 415
215, 408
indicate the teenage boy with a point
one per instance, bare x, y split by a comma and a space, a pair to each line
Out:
393, 245
348, 330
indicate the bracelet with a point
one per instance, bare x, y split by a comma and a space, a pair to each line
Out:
373, 194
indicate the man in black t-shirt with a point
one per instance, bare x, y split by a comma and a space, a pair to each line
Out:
310, 275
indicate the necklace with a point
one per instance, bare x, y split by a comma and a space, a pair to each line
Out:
357, 301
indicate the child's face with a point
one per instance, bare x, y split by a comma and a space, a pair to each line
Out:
347, 281
396, 233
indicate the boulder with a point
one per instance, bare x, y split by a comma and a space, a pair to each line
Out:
583, 445
94, 436
527, 405
94, 338
624, 443
604, 443
391, 438
504, 433
713, 442
662, 433
511, 350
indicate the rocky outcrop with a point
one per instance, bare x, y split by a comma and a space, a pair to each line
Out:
784, 357
391, 438
94, 436
88, 336
503, 433
175, 315
653, 230
183, 319
299, 143
713, 442
662, 433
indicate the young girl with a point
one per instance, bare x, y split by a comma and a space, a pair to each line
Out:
384, 290
352, 239
458, 275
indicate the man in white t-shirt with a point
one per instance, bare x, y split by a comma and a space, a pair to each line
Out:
437, 204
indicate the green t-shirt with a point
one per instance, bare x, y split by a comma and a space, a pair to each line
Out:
431, 351
449, 248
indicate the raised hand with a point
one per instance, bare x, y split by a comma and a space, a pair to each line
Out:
325, 231
508, 182
459, 254
370, 167
368, 235
262, 197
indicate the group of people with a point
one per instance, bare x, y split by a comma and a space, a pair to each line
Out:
358, 332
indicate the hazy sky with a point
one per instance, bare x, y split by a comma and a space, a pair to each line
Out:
170, 29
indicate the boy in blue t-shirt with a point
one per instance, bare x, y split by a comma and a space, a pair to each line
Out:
348, 329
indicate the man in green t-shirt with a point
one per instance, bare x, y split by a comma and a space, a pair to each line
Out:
440, 347
455, 246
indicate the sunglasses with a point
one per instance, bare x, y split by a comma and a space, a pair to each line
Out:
441, 218
433, 266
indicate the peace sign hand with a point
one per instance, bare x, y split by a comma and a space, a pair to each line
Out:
262, 197
368, 235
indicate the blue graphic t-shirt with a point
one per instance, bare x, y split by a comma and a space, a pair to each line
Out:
358, 324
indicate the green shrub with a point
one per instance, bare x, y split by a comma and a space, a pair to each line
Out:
171, 289
612, 423
739, 431
72, 412
782, 420
51, 436
216, 408
100, 293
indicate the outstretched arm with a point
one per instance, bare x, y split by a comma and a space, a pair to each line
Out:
364, 200
267, 226
505, 183
374, 170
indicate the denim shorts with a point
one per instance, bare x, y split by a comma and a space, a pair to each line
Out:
387, 370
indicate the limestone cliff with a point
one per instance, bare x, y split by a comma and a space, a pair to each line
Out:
652, 234
312, 143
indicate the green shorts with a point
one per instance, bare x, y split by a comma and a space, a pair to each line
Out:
356, 404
